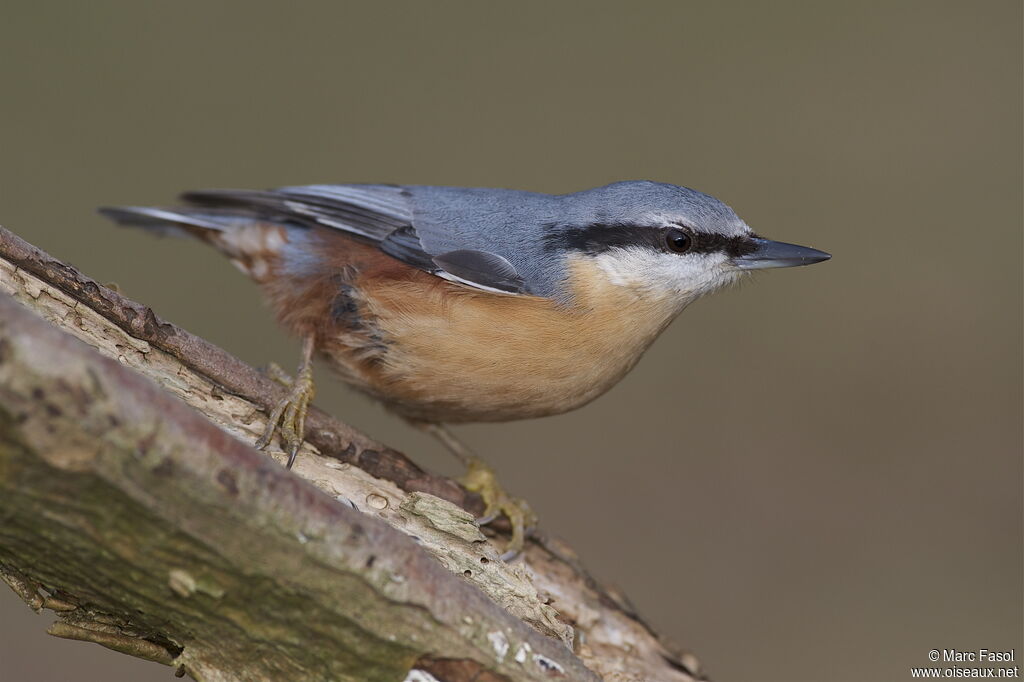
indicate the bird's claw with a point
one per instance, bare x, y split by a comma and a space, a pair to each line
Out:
274, 371
288, 419
484, 520
480, 478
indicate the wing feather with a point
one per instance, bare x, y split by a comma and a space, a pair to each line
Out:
381, 214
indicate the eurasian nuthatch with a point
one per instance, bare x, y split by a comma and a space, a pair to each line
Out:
453, 304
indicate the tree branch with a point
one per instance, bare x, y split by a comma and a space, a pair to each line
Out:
132, 505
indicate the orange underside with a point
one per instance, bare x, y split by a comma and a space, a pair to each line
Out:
437, 351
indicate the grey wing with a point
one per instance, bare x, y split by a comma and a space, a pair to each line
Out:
381, 214
368, 211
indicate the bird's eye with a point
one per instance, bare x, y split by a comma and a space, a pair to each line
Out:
679, 241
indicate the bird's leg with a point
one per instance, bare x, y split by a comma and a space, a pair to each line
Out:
288, 418
481, 478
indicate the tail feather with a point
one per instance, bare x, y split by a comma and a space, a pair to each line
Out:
170, 220
252, 244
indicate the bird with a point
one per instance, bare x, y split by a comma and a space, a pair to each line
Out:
465, 304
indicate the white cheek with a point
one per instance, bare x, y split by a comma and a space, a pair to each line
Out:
684, 277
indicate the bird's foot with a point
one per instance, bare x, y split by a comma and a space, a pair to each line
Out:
481, 478
288, 418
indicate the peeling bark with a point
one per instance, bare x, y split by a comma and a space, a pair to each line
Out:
132, 505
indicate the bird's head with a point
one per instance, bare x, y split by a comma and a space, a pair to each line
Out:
666, 242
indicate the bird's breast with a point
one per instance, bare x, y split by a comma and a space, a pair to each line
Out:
455, 354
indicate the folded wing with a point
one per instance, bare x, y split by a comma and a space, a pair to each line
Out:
380, 214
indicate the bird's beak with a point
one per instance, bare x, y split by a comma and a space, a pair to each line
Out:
769, 254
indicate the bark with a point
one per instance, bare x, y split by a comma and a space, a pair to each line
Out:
133, 506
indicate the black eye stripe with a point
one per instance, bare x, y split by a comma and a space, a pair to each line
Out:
732, 246
595, 239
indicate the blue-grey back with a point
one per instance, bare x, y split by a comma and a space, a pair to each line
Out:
495, 239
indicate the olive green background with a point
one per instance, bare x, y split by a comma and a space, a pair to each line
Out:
813, 476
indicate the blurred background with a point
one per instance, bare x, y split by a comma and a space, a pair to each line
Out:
815, 476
